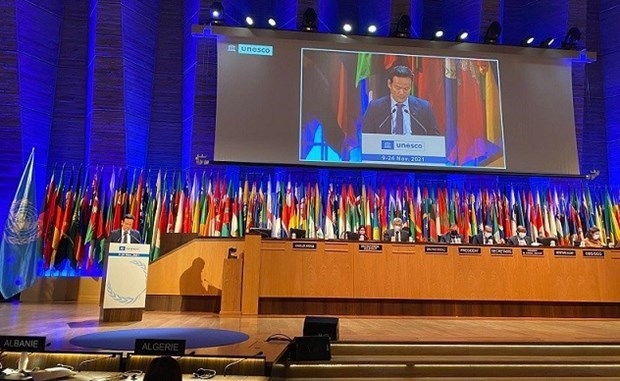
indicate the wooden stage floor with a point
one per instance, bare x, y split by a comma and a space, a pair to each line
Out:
61, 322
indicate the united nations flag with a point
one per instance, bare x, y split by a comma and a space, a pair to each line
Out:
20, 244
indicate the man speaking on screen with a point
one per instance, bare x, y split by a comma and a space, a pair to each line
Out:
400, 113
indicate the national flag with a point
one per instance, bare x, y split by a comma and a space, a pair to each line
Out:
21, 242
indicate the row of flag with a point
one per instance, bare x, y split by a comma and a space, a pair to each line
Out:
80, 210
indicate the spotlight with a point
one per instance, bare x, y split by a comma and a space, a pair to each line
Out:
347, 28
493, 32
547, 42
438, 35
217, 13
527, 41
403, 27
372, 29
310, 21
462, 36
570, 41
249, 20
272, 22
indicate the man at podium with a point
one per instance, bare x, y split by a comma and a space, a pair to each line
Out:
126, 234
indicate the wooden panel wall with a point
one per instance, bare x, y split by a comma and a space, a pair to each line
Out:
338, 270
194, 269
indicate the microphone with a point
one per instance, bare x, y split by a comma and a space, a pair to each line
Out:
260, 353
417, 121
386, 118
22, 363
87, 361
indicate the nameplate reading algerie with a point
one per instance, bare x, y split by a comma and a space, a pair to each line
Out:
370, 247
470, 250
500, 251
23, 343
564, 253
304, 245
594, 253
534, 252
160, 347
436, 249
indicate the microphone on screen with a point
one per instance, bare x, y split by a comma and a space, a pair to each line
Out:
387, 118
417, 121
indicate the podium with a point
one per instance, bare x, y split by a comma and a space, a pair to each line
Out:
123, 292
232, 276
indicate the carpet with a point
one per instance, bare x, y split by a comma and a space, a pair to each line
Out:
124, 340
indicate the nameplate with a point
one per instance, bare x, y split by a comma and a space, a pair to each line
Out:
594, 253
436, 249
160, 347
499, 251
537, 252
23, 343
304, 245
470, 250
565, 253
370, 247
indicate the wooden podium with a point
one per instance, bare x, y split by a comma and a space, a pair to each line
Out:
232, 278
123, 289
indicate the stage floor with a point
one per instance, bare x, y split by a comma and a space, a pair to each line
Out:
61, 322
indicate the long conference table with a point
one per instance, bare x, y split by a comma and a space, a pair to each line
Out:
305, 276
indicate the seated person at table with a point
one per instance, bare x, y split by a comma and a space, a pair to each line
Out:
396, 234
359, 236
593, 238
452, 236
163, 368
486, 237
521, 238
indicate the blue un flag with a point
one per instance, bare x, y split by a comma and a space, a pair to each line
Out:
20, 244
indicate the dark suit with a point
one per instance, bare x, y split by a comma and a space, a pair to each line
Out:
514, 240
377, 119
117, 236
404, 235
449, 238
479, 239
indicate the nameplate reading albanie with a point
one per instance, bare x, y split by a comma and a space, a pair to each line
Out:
594, 253
533, 252
470, 250
304, 245
436, 249
370, 247
498, 251
160, 347
23, 343
565, 253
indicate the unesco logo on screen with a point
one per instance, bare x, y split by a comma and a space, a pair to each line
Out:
409, 146
387, 144
255, 50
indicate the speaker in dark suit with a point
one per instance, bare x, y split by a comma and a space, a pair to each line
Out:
321, 326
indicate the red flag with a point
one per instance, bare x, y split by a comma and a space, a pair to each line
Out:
430, 79
471, 116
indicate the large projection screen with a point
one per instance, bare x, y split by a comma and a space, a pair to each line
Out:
329, 100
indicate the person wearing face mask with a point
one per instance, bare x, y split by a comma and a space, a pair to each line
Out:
485, 237
521, 238
397, 233
593, 238
453, 236
359, 236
